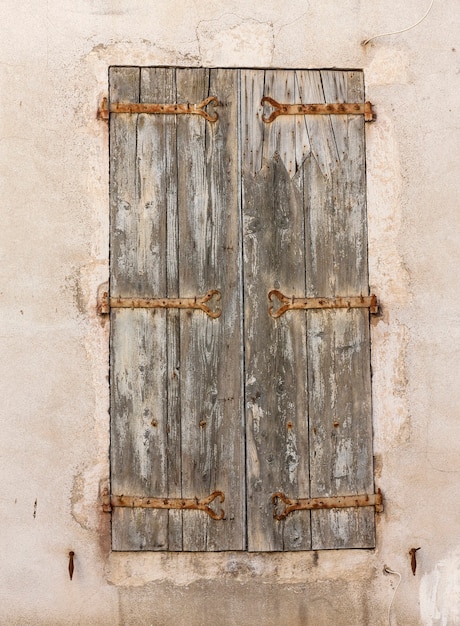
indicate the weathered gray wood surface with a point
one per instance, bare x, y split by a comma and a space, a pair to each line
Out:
139, 337
274, 257
184, 422
211, 403
309, 415
338, 341
175, 375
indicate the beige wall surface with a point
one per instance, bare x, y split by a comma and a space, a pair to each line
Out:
54, 417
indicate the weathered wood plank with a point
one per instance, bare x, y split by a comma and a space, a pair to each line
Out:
288, 137
124, 86
338, 341
137, 337
141, 438
252, 86
160, 174
280, 138
139, 402
319, 127
276, 394
211, 406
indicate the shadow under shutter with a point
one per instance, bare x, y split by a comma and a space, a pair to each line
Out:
248, 404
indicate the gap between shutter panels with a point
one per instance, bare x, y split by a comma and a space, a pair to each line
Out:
307, 303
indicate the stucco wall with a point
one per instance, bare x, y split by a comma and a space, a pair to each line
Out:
53, 255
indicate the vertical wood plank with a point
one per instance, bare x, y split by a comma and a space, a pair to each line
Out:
280, 138
139, 337
251, 134
338, 341
276, 394
211, 405
160, 173
319, 127
123, 87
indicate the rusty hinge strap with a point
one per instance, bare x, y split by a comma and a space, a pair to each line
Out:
159, 109
105, 303
340, 302
186, 504
284, 505
339, 108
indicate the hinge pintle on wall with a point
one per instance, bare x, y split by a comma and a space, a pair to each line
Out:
103, 306
284, 505
186, 108
332, 108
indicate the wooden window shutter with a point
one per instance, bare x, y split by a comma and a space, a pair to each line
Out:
216, 418
308, 373
176, 374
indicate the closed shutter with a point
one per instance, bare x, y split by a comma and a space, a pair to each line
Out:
219, 421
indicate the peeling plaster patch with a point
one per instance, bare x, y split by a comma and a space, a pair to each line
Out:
72, 284
77, 501
140, 52
114, 7
440, 593
388, 275
388, 67
82, 283
391, 410
232, 40
85, 497
90, 276
96, 344
389, 279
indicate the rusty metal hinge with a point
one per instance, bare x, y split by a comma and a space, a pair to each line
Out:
340, 108
292, 303
187, 504
105, 303
105, 109
284, 505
